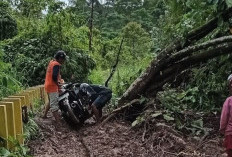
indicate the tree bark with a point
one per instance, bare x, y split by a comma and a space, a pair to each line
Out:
169, 74
187, 51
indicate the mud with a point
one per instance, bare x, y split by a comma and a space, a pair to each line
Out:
117, 138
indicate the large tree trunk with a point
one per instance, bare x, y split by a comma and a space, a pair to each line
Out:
176, 68
142, 83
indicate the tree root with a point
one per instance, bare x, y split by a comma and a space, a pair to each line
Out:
118, 110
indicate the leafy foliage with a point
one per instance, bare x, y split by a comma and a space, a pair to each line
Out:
19, 150
9, 83
39, 44
31, 129
204, 93
8, 25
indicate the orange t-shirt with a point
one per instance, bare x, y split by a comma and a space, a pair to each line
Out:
50, 85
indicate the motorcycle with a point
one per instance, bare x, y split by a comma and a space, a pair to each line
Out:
73, 106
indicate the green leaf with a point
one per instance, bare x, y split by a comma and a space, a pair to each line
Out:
156, 114
4, 152
179, 125
168, 118
4, 81
135, 123
142, 100
220, 22
198, 132
229, 3
24, 150
138, 120
181, 95
197, 124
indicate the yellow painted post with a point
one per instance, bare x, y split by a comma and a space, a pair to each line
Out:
3, 128
33, 90
10, 117
27, 98
31, 97
41, 87
45, 95
10, 120
22, 98
46, 100
34, 96
43, 92
36, 92
24, 107
18, 117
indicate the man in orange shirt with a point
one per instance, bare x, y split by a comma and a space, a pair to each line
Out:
52, 82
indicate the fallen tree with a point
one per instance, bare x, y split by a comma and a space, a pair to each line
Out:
175, 57
178, 67
178, 64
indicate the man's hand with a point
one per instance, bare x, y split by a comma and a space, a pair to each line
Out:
62, 81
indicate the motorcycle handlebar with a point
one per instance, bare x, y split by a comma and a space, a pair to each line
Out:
68, 85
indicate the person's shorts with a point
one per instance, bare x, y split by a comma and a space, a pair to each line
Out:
53, 101
101, 100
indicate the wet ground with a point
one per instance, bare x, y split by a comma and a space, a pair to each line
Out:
117, 138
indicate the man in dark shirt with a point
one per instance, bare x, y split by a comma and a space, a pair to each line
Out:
98, 95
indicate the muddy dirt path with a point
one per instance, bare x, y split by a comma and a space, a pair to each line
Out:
117, 139
114, 139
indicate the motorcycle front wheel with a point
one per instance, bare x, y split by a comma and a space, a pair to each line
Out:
72, 116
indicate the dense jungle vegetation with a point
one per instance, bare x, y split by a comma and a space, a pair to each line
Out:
31, 31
